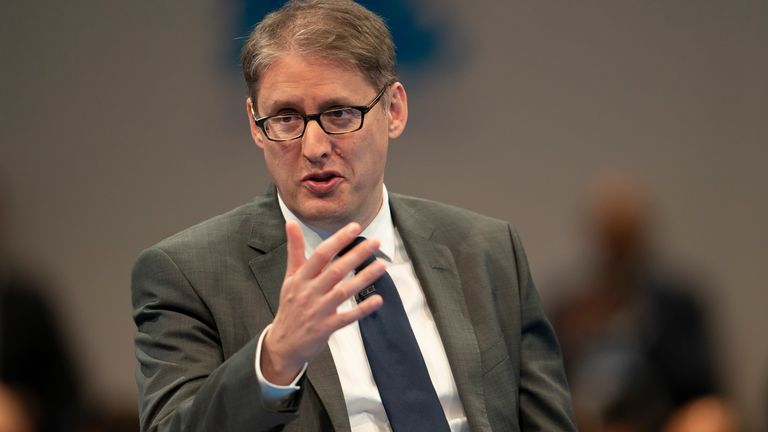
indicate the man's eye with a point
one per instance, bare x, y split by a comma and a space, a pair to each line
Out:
287, 124
340, 113
288, 118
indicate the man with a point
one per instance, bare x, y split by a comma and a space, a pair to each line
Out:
274, 317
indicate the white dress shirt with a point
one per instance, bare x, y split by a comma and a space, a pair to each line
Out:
364, 407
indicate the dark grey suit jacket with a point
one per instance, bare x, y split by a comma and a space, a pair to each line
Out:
202, 297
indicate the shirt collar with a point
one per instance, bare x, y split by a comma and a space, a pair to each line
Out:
380, 228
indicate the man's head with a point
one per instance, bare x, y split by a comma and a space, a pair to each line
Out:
620, 217
339, 30
313, 57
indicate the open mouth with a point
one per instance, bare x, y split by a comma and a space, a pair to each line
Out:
322, 182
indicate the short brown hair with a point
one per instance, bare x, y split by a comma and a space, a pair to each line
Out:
338, 30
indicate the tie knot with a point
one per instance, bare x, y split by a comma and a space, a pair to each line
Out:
349, 247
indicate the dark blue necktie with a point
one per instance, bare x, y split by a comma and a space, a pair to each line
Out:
398, 368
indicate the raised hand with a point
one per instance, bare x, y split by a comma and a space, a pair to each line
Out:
312, 290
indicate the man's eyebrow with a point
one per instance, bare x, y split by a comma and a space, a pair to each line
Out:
336, 102
278, 105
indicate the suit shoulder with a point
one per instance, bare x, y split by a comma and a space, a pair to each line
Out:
455, 227
446, 216
222, 224
214, 234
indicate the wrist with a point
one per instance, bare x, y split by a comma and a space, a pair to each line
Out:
275, 366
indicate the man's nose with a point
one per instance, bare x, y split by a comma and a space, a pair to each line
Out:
315, 144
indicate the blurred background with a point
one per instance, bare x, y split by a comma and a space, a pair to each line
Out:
613, 135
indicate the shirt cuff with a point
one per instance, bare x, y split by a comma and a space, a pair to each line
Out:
274, 394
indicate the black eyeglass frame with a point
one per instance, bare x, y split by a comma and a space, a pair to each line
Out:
364, 109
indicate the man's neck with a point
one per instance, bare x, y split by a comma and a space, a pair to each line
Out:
379, 226
326, 228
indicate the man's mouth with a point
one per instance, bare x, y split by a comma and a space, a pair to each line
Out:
321, 182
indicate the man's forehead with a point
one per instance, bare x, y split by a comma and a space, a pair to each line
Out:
308, 79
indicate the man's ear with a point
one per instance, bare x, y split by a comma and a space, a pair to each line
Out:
397, 109
256, 133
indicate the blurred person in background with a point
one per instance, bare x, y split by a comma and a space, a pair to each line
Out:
15, 415
635, 341
38, 387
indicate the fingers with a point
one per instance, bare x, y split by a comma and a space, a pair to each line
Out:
363, 309
295, 248
328, 250
312, 292
324, 280
342, 266
353, 285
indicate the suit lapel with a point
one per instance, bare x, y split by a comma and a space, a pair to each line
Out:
268, 237
325, 380
436, 270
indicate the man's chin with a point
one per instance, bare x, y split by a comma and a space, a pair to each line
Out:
326, 216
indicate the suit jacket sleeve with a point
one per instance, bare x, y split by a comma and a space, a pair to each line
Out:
545, 402
184, 381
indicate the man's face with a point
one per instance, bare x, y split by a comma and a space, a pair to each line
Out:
327, 180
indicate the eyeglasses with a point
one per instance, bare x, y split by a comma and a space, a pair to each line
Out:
335, 121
